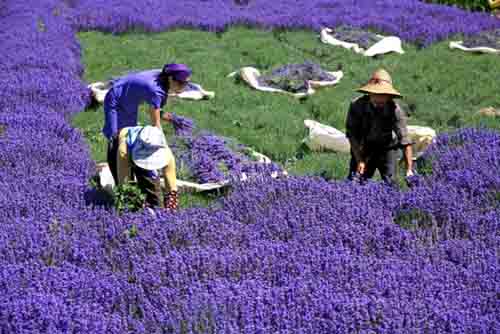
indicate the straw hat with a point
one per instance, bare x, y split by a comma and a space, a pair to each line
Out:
150, 150
380, 83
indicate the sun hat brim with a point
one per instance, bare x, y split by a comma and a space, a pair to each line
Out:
150, 150
379, 88
150, 159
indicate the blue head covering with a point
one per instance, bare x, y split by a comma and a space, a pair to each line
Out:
179, 72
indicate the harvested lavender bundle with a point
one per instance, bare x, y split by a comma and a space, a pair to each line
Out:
363, 38
294, 77
490, 39
183, 126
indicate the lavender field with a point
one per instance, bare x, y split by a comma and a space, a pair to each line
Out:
295, 255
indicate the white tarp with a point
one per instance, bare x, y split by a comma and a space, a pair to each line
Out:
387, 44
481, 49
193, 91
107, 182
322, 137
251, 75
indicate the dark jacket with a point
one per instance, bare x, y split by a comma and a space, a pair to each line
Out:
371, 131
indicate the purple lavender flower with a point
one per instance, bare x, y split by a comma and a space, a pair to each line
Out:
294, 77
183, 126
489, 39
297, 254
363, 38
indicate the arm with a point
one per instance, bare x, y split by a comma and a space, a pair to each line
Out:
155, 101
155, 117
123, 168
401, 130
408, 154
352, 131
167, 116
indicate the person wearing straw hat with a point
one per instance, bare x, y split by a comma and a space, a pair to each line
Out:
376, 128
142, 152
121, 103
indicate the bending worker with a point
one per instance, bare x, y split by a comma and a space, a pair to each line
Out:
121, 104
376, 129
142, 151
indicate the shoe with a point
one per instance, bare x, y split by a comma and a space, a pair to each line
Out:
171, 200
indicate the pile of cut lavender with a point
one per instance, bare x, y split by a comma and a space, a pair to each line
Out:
182, 126
489, 39
207, 158
294, 77
349, 34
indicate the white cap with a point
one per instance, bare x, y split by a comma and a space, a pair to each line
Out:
150, 150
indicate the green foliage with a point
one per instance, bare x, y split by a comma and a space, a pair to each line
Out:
494, 199
414, 219
223, 167
443, 88
128, 197
424, 166
133, 231
476, 5
183, 171
94, 182
290, 85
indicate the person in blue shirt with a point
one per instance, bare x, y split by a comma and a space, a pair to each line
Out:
121, 104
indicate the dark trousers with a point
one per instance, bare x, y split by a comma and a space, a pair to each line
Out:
148, 185
111, 157
384, 161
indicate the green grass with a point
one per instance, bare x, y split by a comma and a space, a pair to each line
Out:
448, 87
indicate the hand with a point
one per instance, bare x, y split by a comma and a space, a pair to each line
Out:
167, 117
409, 173
361, 168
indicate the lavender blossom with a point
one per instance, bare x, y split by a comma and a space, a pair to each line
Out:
183, 126
296, 255
363, 38
489, 39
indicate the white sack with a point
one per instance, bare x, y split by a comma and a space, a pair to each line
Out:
422, 137
323, 137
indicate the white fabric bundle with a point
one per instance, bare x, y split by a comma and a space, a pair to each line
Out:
193, 91
107, 182
458, 45
387, 44
251, 75
322, 137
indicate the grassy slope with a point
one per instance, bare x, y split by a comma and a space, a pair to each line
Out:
447, 86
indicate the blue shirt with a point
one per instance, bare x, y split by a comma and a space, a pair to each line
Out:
121, 105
